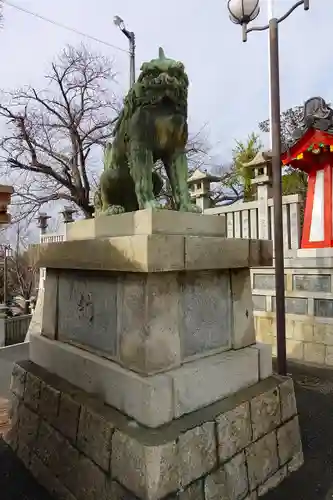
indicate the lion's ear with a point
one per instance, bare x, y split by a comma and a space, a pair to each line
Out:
144, 67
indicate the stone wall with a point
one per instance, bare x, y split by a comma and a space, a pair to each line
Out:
8, 358
80, 449
309, 311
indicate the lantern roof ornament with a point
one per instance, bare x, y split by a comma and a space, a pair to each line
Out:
198, 175
317, 114
314, 136
261, 159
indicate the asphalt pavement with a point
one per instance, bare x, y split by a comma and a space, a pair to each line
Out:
314, 480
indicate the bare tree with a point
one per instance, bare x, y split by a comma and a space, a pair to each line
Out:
290, 120
197, 150
51, 149
19, 274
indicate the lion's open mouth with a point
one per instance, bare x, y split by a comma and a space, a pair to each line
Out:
167, 100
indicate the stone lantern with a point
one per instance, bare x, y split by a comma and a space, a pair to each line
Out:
67, 214
262, 167
42, 222
262, 178
199, 184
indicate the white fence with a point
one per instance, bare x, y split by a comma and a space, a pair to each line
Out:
52, 238
243, 220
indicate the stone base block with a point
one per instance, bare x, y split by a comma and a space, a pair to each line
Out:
146, 222
156, 399
152, 241
81, 449
150, 323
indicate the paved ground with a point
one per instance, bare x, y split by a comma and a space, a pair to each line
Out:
16, 483
314, 481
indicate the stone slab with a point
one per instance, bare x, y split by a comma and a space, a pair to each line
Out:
222, 253
147, 222
148, 323
147, 399
314, 252
243, 332
153, 253
207, 380
86, 311
265, 360
309, 262
312, 283
208, 454
156, 399
206, 312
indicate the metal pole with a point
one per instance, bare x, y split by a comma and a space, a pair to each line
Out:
270, 15
5, 278
132, 58
277, 196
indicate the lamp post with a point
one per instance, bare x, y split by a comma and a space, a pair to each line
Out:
243, 12
118, 21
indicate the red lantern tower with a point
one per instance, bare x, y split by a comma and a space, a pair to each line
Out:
313, 153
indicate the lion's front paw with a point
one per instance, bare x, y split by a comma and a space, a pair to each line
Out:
114, 210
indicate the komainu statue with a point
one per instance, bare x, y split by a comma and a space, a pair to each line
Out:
152, 126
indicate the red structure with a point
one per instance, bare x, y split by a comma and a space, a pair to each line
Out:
312, 152
5, 197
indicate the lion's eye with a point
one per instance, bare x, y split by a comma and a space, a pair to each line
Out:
172, 72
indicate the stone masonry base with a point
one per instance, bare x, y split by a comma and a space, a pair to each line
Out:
80, 449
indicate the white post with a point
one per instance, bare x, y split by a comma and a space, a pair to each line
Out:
270, 15
263, 211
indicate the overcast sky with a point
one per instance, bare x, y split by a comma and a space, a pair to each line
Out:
228, 78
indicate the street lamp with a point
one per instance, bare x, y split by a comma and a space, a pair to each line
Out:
118, 21
242, 12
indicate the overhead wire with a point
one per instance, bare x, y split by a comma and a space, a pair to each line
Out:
63, 26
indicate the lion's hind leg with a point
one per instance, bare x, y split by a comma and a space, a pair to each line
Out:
110, 193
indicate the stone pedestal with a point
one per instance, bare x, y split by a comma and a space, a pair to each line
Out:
146, 377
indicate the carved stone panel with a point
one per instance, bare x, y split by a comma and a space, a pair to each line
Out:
87, 310
206, 309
